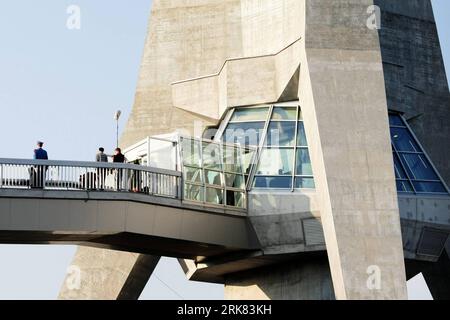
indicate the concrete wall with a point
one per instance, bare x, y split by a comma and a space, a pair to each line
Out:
345, 110
415, 77
290, 281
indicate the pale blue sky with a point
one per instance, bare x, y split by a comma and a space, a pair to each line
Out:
63, 87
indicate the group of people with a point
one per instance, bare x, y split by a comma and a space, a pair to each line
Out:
118, 157
37, 173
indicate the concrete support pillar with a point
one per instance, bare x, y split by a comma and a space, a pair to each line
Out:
344, 105
101, 274
301, 280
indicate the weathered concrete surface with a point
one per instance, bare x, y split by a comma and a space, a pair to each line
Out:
190, 39
301, 280
344, 104
240, 82
107, 275
186, 39
415, 77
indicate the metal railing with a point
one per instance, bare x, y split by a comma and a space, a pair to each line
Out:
88, 176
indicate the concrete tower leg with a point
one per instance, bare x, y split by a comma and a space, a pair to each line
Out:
342, 93
299, 280
101, 274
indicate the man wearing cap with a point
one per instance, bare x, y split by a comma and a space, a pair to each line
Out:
38, 172
39, 153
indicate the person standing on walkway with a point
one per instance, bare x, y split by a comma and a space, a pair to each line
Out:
101, 172
38, 172
118, 157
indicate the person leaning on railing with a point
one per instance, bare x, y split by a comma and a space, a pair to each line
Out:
101, 156
37, 173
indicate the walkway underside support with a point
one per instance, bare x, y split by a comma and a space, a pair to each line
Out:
101, 274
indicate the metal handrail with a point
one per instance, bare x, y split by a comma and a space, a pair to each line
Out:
88, 176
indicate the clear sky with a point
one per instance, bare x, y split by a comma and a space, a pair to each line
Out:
63, 86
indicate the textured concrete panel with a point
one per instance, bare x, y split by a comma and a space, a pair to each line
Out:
24, 214
345, 111
100, 274
305, 280
415, 77
54, 215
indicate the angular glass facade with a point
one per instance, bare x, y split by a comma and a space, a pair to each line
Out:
283, 155
213, 173
414, 171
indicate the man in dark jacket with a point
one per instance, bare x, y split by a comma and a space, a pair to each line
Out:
118, 157
38, 172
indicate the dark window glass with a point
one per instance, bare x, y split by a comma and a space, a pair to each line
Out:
404, 186
235, 199
399, 172
281, 134
246, 134
403, 140
429, 187
395, 120
418, 167
273, 182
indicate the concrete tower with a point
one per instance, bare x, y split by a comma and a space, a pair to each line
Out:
345, 229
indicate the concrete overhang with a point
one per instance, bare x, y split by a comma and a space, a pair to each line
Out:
240, 82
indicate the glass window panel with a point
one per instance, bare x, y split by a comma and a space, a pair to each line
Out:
213, 177
234, 181
284, 113
248, 160
304, 183
250, 114
193, 175
404, 186
273, 182
211, 156
232, 159
395, 120
301, 135
214, 196
277, 162
281, 134
419, 167
235, 199
429, 187
403, 140
399, 171
191, 152
193, 192
303, 167
245, 134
